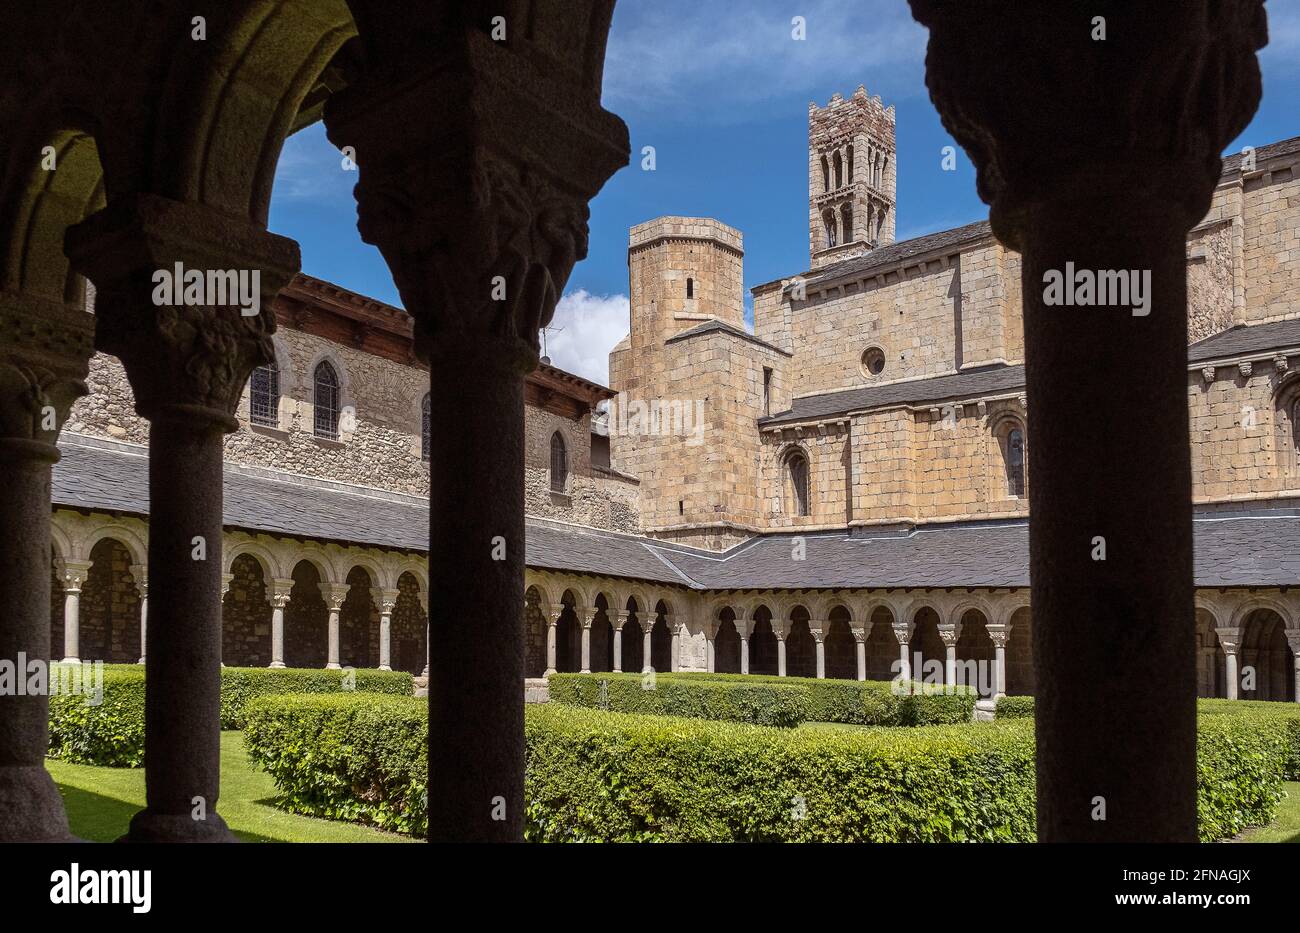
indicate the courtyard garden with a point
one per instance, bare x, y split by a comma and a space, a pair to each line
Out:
341, 756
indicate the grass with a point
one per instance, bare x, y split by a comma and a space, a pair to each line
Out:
1285, 826
101, 801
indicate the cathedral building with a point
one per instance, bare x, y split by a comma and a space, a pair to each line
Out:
837, 492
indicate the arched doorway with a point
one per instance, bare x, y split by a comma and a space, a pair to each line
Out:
726, 644
409, 628
762, 643
109, 621
882, 646
1020, 654
1265, 651
306, 619
632, 639
568, 637
841, 647
927, 649
1211, 663
246, 616
800, 648
661, 641
975, 654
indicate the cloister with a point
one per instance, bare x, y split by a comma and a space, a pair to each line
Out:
135, 138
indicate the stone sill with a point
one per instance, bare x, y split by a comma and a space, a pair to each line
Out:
561, 499
328, 443
266, 430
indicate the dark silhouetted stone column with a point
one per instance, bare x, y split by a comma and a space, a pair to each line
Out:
44, 350
476, 162
187, 364
1102, 153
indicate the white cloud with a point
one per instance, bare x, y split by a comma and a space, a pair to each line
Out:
583, 331
310, 168
696, 58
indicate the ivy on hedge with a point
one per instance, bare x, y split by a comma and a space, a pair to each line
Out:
112, 732
593, 775
789, 700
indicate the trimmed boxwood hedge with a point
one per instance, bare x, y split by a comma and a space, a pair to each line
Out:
760, 704
345, 756
593, 775
112, 733
864, 703
1017, 707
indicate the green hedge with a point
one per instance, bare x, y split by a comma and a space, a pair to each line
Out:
759, 704
593, 775
1015, 708
112, 732
864, 703
239, 685
345, 756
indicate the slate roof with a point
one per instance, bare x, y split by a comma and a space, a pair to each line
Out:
1246, 338
715, 324
914, 391
1244, 549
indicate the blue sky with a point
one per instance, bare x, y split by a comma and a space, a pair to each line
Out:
722, 96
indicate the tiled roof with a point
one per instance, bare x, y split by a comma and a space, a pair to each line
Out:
1255, 549
1246, 338
912, 392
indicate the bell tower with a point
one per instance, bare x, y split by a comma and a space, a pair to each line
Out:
851, 177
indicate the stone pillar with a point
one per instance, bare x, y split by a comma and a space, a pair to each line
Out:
336, 594
1230, 639
675, 650
588, 617
619, 620
552, 624
280, 594
647, 661
74, 578
1293, 639
998, 634
710, 657
818, 630
744, 649
187, 364
948, 634
387, 600
860, 643
903, 632
1114, 192
44, 348
778, 629
140, 573
481, 232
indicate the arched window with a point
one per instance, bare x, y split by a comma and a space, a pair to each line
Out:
1012, 444
325, 400
690, 288
880, 224
264, 396
559, 464
846, 213
829, 219
826, 176
796, 478
839, 170
849, 150
426, 429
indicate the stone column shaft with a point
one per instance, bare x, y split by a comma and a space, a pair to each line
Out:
744, 654
861, 645
647, 662
72, 625
551, 626
780, 655
385, 637
618, 647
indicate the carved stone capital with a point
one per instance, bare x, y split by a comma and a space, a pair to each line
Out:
1140, 115
45, 350
184, 343
74, 575
385, 599
948, 635
999, 634
903, 631
336, 595
475, 167
1229, 638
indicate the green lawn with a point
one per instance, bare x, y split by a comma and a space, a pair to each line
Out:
1286, 826
101, 802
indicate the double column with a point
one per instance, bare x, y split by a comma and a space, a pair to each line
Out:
187, 356
1111, 199
43, 362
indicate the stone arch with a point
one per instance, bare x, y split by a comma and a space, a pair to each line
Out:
109, 621
975, 650
1250, 605
1021, 678
1286, 425
601, 644
568, 635
125, 536
321, 562
841, 647
61, 541
661, 639
408, 632
535, 625
926, 646
762, 641
800, 647
637, 609
882, 644
306, 617
829, 225
726, 643
359, 620
246, 613
846, 222
266, 560
1265, 649
1211, 662
1009, 477
796, 484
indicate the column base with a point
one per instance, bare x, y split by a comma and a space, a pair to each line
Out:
71, 661
168, 827
585, 670
278, 665
548, 673
141, 661
333, 667
31, 809
384, 667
